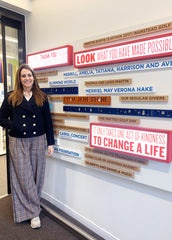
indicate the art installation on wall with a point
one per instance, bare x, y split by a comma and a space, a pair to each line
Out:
93, 105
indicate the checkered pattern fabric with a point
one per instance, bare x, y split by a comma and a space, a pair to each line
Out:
27, 169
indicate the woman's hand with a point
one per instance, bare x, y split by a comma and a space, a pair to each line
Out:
50, 150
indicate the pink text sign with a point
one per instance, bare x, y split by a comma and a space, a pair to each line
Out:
147, 143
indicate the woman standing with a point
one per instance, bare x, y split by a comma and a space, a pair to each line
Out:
25, 113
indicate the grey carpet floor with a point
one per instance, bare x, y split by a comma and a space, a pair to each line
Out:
50, 230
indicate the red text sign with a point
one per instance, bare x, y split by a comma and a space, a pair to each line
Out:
51, 58
152, 47
146, 143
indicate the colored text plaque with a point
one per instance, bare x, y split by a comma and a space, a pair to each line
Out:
63, 82
46, 73
68, 152
144, 98
162, 113
70, 115
94, 100
146, 48
110, 169
119, 90
138, 32
56, 132
117, 155
147, 143
113, 162
55, 98
60, 90
119, 120
56, 57
43, 79
73, 136
58, 120
108, 82
71, 128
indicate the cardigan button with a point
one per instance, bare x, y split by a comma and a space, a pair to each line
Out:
23, 116
34, 124
34, 133
24, 124
24, 133
34, 116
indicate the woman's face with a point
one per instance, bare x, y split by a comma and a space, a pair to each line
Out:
26, 79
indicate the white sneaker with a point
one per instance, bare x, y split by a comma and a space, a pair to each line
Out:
35, 222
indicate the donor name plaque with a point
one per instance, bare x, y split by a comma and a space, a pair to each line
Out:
94, 100
73, 136
147, 143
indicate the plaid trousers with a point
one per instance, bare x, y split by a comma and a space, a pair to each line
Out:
27, 170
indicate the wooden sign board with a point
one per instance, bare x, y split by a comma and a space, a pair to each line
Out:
55, 98
69, 115
139, 32
46, 73
119, 120
116, 155
108, 82
58, 120
110, 169
93, 100
43, 79
56, 132
113, 162
71, 128
139, 98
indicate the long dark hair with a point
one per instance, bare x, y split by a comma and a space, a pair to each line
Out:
16, 97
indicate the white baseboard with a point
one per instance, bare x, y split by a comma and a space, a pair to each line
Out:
100, 231
4, 196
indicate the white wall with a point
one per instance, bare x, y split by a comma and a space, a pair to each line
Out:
20, 6
112, 206
109, 204
59, 22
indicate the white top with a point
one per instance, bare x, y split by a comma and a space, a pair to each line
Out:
26, 96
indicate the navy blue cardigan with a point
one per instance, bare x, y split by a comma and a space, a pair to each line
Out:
27, 120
